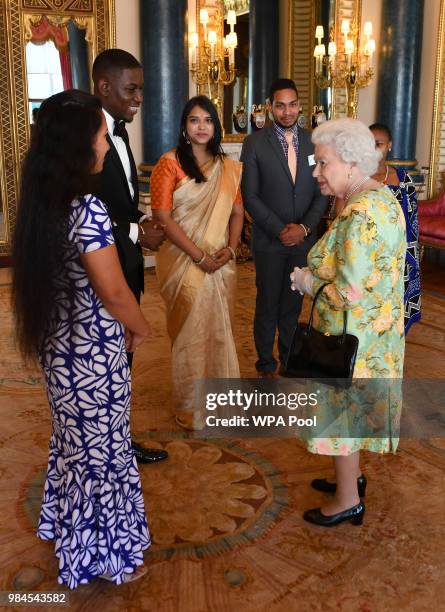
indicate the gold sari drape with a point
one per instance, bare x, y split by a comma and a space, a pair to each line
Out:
200, 306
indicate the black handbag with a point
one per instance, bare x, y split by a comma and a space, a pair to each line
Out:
323, 356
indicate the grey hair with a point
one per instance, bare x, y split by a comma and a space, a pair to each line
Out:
353, 142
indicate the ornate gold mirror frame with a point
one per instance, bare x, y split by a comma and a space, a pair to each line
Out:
436, 180
16, 16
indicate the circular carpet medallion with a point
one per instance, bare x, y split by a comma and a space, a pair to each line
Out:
207, 498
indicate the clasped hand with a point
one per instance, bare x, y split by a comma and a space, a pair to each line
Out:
302, 281
152, 235
216, 261
292, 235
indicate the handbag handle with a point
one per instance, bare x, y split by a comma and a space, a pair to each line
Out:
345, 315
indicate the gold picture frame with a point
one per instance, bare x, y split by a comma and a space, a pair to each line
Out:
98, 17
436, 178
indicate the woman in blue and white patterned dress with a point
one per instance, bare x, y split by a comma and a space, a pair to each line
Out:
72, 305
402, 186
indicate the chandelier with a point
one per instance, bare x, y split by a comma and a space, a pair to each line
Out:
213, 54
351, 69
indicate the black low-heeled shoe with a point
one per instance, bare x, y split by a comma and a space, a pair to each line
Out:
148, 455
354, 514
321, 484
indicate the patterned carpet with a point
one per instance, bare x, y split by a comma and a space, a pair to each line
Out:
225, 515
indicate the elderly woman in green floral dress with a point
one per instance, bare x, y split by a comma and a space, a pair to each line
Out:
361, 261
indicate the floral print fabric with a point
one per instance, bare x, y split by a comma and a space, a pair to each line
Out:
362, 257
92, 505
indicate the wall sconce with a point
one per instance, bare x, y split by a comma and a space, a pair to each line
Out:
213, 54
353, 70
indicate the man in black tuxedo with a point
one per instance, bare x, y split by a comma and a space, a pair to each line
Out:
118, 82
286, 206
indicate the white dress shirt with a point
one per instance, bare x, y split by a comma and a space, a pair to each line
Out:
123, 156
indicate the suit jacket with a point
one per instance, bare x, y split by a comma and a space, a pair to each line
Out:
112, 188
270, 195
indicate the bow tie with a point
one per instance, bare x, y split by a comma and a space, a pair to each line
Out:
120, 130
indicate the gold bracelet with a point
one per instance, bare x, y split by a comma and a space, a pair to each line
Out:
142, 229
198, 262
232, 252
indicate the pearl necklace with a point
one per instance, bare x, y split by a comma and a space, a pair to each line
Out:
355, 188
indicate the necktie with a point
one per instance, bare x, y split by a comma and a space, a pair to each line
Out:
291, 157
120, 130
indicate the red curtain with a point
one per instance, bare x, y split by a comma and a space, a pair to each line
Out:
65, 64
43, 31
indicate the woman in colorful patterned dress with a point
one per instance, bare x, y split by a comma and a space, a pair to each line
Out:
195, 195
361, 261
72, 305
403, 188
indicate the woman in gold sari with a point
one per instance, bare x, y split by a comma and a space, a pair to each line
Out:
195, 195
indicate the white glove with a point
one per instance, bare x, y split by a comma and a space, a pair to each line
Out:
302, 280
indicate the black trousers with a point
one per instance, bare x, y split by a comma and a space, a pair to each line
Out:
277, 306
134, 283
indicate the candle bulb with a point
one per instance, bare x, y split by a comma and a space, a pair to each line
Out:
349, 47
231, 19
232, 43
193, 45
318, 54
349, 50
204, 16
367, 29
204, 20
332, 49
345, 27
319, 33
212, 39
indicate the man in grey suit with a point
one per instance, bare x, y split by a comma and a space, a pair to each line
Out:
286, 206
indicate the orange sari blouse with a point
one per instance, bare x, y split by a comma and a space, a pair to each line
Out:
165, 178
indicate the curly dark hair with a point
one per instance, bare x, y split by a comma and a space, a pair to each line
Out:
56, 170
184, 151
383, 128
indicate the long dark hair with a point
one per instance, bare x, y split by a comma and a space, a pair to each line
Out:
184, 151
56, 169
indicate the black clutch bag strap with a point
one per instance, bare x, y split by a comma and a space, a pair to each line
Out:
345, 315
